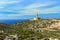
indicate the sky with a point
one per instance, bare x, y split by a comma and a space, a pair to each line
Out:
26, 9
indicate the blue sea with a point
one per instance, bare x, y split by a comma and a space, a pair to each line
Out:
11, 21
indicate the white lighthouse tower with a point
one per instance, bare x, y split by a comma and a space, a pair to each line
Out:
36, 16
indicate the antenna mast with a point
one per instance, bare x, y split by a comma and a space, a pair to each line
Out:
37, 14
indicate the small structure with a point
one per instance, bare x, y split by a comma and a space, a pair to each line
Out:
36, 17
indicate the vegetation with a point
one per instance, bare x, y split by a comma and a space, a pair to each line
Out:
31, 30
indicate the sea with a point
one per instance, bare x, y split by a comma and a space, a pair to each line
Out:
11, 21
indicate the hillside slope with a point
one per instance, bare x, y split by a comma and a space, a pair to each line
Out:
37, 25
34, 29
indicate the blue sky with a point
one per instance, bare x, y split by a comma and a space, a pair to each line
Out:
26, 9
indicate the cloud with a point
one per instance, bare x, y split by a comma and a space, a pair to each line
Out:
13, 15
1, 15
35, 5
10, 1
4, 3
55, 9
38, 4
9, 16
43, 8
1, 7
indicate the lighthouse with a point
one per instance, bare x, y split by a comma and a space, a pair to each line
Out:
36, 16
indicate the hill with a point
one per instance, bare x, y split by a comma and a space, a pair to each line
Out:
34, 29
38, 24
